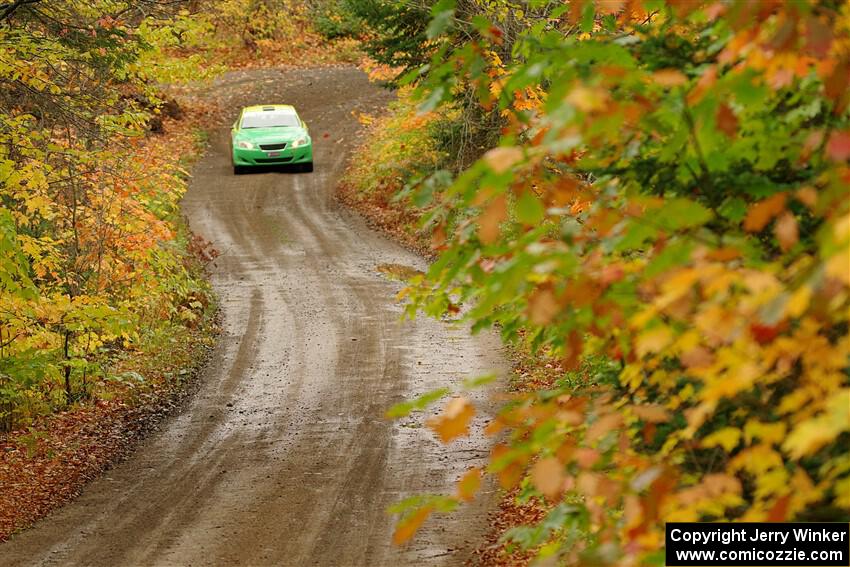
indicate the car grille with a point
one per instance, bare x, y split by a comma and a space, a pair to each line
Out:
273, 160
272, 146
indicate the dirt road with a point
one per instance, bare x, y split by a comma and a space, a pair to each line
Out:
283, 456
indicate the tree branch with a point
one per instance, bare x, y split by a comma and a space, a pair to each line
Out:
6, 10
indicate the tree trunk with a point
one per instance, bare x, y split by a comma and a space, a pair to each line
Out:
69, 394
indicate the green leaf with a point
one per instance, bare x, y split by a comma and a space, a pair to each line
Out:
675, 254
443, 13
733, 209
479, 381
679, 213
529, 209
638, 232
405, 408
588, 14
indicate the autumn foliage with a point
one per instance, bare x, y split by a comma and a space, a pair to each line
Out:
95, 263
667, 215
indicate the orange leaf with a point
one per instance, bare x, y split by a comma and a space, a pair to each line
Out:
838, 146
818, 37
808, 196
406, 528
587, 99
651, 413
502, 158
511, 472
779, 511
786, 231
704, 83
575, 12
780, 78
611, 273
609, 6
669, 78
454, 421
602, 426
547, 475
724, 254
726, 120
542, 306
763, 212
586, 457
510, 476
491, 218
573, 350
563, 192
469, 484
438, 237
836, 84
494, 427
697, 357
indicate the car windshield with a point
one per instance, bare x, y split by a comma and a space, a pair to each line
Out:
269, 119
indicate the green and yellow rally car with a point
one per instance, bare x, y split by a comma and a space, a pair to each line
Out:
270, 134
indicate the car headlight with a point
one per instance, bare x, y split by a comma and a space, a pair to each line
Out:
245, 145
303, 141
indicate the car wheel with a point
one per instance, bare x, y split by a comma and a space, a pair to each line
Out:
307, 167
238, 170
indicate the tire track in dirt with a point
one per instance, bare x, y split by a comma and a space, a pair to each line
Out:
283, 456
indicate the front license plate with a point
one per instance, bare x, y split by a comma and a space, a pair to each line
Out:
274, 154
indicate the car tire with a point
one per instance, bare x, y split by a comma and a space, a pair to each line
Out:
238, 170
307, 167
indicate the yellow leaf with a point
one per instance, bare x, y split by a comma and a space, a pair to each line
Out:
838, 266
653, 340
812, 434
803, 492
728, 438
799, 301
743, 372
771, 483
714, 492
677, 285
842, 492
756, 460
766, 432
454, 421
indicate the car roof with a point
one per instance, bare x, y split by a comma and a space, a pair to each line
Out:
288, 108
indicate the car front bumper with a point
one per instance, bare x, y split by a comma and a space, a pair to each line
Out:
258, 157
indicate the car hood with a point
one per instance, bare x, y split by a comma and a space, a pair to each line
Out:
271, 135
